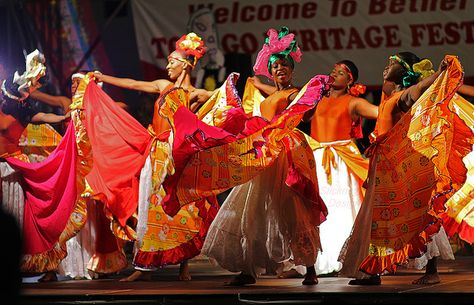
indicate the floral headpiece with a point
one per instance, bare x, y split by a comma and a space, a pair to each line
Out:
22, 85
193, 46
424, 68
357, 89
277, 45
418, 72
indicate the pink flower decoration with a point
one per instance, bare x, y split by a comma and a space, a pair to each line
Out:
274, 45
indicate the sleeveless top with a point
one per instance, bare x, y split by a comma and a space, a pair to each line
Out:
387, 118
332, 121
160, 124
279, 100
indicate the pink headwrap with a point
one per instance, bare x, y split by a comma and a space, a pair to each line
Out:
277, 43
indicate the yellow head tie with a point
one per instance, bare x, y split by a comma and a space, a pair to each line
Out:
425, 68
410, 76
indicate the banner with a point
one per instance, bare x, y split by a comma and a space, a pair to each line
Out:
366, 32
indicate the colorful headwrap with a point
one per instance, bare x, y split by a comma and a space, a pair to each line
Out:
414, 74
277, 45
355, 89
424, 68
193, 46
81, 75
20, 87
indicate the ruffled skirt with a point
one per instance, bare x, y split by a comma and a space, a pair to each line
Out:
263, 220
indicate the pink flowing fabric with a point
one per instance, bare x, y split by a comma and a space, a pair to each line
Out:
191, 137
120, 145
50, 194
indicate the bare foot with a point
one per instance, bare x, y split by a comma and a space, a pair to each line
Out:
290, 274
310, 279
137, 276
49, 276
427, 279
184, 274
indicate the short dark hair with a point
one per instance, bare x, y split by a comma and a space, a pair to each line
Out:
409, 57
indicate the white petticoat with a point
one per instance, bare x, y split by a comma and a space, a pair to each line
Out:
13, 197
81, 248
262, 220
343, 198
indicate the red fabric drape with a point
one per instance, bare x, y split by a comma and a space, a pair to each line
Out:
120, 146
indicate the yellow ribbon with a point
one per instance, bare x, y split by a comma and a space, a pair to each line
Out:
328, 161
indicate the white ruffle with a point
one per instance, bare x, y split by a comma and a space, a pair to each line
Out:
438, 247
262, 220
13, 196
144, 193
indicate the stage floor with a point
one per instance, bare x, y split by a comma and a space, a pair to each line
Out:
208, 287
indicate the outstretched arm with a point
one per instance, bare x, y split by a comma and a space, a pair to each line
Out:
42, 117
52, 100
413, 93
466, 90
362, 108
155, 86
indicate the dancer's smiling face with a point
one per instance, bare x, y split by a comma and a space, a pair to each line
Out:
176, 64
75, 81
282, 72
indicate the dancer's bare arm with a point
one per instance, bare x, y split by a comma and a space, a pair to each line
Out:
413, 93
198, 97
363, 108
265, 88
42, 117
466, 90
155, 86
52, 100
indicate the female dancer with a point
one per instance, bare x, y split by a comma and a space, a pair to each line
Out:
164, 240
341, 169
45, 197
409, 180
95, 252
265, 219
